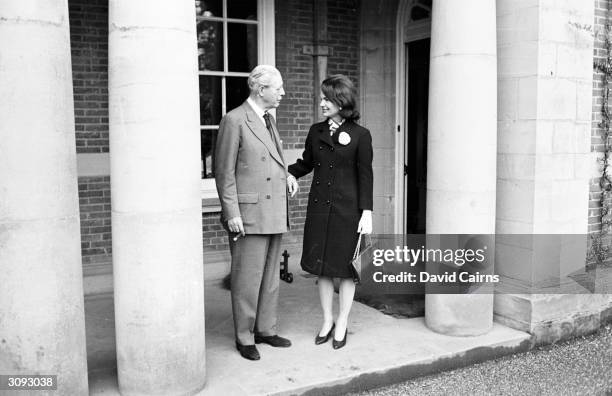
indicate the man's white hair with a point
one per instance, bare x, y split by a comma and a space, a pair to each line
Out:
261, 76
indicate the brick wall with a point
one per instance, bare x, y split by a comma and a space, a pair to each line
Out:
294, 30
89, 48
215, 237
95, 206
94, 200
597, 144
343, 38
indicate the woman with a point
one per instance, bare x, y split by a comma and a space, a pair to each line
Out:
340, 200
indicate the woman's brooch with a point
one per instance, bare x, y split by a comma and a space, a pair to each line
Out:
344, 138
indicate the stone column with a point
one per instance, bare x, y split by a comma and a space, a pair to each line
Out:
42, 326
156, 202
546, 165
462, 145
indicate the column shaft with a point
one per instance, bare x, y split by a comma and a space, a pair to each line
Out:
42, 326
546, 166
462, 146
155, 195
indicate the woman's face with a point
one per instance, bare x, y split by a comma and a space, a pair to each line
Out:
330, 110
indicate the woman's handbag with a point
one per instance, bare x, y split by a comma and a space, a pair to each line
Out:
359, 256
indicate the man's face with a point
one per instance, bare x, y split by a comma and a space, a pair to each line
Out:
272, 94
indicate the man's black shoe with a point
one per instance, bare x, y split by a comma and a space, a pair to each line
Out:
275, 341
248, 351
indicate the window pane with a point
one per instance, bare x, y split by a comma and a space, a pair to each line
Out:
237, 91
210, 100
210, 45
417, 13
242, 9
242, 47
208, 8
209, 139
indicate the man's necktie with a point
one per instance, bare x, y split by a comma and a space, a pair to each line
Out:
266, 117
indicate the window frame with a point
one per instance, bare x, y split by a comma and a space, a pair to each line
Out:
265, 55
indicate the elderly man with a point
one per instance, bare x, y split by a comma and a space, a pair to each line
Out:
251, 178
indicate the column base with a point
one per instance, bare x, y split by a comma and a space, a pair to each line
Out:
554, 317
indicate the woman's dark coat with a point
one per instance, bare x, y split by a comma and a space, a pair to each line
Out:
341, 189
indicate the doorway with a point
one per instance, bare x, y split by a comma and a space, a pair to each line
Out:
413, 42
415, 134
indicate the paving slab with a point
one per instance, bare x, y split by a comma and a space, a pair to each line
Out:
380, 349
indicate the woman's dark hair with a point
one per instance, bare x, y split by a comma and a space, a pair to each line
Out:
340, 90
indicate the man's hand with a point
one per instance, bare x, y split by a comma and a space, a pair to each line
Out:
292, 185
235, 225
365, 223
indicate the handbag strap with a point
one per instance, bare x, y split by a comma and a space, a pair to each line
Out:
356, 252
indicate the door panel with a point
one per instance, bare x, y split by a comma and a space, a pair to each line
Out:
417, 92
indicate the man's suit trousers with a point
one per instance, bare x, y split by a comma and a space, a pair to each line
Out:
255, 285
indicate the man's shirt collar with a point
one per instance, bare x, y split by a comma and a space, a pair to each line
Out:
258, 110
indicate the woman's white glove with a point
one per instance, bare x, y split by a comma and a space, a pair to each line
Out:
365, 223
292, 185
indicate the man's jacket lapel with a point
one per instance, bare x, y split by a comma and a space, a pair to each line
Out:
261, 132
277, 139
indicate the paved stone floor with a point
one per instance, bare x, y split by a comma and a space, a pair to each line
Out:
380, 350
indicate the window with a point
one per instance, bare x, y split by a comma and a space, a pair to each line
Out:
421, 10
233, 37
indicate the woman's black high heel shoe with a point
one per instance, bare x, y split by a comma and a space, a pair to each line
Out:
340, 344
323, 339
